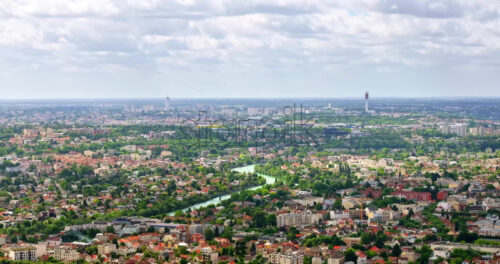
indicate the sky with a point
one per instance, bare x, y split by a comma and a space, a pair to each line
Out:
249, 48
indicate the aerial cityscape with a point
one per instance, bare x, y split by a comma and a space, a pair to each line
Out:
256, 181
231, 132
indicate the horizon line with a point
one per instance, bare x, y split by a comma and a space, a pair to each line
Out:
247, 98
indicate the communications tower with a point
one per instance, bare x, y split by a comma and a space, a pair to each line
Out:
366, 101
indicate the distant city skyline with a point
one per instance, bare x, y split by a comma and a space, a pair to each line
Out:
249, 49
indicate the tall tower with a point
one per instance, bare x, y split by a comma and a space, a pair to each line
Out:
167, 103
366, 101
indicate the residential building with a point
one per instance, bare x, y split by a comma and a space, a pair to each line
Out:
18, 253
288, 258
298, 219
66, 253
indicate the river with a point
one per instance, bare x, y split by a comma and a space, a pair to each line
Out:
216, 200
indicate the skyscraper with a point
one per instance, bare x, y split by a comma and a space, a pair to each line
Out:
167, 103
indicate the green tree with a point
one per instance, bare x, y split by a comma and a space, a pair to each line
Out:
240, 249
396, 251
209, 234
337, 204
350, 255
366, 238
425, 253
253, 249
259, 219
271, 219
110, 229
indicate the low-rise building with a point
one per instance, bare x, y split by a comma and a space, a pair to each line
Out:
66, 253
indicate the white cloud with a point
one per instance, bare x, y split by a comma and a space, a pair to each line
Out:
63, 7
252, 35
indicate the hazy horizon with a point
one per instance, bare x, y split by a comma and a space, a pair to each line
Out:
359, 98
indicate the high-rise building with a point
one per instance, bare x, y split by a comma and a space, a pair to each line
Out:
458, 129
445, 129
477, 131
167, 103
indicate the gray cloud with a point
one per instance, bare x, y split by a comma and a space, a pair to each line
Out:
423, 8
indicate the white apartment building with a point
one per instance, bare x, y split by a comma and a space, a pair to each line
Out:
288, 258
298, 219
340, 214
459, 129
27, 253
309, 201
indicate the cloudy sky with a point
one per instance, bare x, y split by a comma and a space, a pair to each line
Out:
249, 48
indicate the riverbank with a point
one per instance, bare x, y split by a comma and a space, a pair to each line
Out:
216, 200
